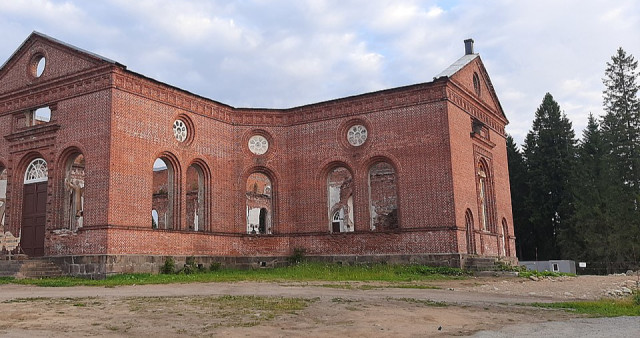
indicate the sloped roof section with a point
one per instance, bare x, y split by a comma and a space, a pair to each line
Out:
38, 34
61, 60
466, 61
456, 66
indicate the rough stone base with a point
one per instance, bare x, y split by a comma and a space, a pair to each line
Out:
101, 266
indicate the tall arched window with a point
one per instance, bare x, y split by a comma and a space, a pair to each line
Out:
163, 196
259, 199
383, 196
74, 185
468, 223
340, 198
195, 198
485, 198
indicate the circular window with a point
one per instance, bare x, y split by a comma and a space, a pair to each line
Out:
180, 130
357, 135
40, 64
258, 144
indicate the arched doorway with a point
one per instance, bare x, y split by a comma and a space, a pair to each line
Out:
34, 208
471, 242
505, 238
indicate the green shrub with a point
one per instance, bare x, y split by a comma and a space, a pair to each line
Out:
169, 266
298, 256
215, 266
190, 266
636, 297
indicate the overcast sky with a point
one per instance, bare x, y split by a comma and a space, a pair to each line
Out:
279, 54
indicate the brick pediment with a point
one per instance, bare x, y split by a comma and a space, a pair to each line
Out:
60, 60
474, 79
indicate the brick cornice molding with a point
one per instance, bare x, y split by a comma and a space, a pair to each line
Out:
461, 99
62, 89
339, 108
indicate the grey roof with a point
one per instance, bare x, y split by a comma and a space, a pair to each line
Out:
456, 66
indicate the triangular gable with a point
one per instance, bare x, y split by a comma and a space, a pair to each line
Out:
462, 72
61, 59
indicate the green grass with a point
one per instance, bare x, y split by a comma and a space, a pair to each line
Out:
426, 302
529, 273
600, 308
299, 272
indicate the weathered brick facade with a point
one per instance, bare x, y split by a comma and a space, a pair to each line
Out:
443, 143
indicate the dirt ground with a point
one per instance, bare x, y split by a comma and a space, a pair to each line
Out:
319, 309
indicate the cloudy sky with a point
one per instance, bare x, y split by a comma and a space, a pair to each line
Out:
278, 54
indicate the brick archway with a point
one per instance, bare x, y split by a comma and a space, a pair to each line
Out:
34, 208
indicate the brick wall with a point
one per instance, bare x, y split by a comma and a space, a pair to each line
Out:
122, 122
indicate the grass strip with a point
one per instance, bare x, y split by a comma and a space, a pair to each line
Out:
300, 272
599, 308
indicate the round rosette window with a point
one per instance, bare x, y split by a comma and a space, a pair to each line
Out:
180, 130
357, 135
258, 144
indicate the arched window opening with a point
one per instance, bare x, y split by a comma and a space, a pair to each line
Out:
195, 198
154, 219
476, 83
340, 198
74, 185
468, 223
383, 196
163, 194
259, 199
3, 196
485, 198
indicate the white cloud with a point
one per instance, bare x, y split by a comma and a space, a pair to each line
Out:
287, 53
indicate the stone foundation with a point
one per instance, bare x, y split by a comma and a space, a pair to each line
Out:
101, 266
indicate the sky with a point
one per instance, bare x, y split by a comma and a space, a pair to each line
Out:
281, 54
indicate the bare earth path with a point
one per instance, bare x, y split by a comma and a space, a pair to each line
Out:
459, 308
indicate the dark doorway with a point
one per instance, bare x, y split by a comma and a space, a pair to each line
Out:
262, 228
34, 216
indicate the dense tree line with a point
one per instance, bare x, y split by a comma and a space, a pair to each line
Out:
580, 199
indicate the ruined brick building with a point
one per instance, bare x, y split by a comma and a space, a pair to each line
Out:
104, 170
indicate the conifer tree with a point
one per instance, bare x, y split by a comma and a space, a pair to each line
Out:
621, 145
621, 123
519, 193
587, 237
549, 153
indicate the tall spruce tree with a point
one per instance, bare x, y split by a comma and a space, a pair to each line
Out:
621, 123
621, 144
587, 237
519, 192
549, 153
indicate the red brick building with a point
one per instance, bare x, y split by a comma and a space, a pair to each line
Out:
104, 170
